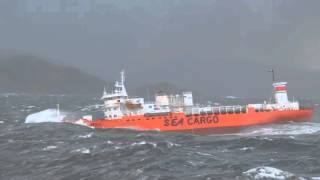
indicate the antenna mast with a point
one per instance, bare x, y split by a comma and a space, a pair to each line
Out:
273, 75
122, 77
123, 90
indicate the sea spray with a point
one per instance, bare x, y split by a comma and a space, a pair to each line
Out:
49, 115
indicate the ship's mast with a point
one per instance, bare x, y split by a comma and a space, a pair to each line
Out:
273, 81
123, 88
273, 75
104, 91
122, 77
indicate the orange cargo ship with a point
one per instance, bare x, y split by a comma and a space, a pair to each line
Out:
178, 113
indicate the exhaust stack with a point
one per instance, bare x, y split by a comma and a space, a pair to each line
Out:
280, 92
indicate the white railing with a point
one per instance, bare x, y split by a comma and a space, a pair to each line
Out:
219, 110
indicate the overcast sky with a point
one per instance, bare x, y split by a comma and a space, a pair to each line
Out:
222, 47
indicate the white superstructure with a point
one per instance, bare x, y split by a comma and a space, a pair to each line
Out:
118, 104
281, 101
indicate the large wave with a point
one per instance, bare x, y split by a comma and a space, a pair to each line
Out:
49, 115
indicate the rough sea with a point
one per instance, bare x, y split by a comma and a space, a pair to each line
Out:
38, 151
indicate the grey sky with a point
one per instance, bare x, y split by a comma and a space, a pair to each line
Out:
221, 47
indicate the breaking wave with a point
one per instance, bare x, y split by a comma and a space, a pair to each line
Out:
261, 173
82, 150
271, 173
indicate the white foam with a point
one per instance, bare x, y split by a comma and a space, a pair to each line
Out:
139, 143
171, 144
82, 122
271, 173
48, 148
30, 107
283, 129
1, 122
83, 150
49, 115
205, 154
247, 149
143, 143
86, 136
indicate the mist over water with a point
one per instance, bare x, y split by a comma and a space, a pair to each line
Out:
65, 151
208, 46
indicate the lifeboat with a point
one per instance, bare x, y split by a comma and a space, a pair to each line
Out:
131, 105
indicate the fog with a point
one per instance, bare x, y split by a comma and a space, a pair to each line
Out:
220, 48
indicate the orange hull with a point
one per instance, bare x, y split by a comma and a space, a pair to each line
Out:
181, 122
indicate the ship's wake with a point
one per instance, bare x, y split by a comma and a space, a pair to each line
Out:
292, 129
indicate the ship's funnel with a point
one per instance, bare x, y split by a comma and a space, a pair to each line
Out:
280, 92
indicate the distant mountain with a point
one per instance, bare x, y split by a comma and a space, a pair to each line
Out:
32, 74
222, 48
